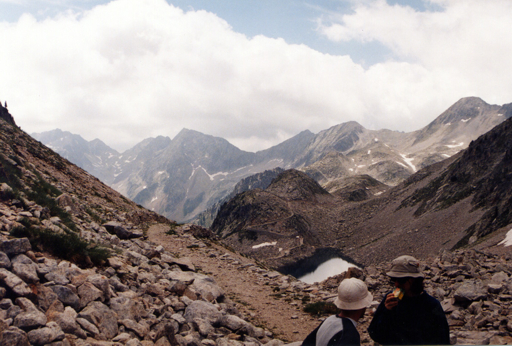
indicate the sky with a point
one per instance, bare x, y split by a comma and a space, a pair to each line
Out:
255, 72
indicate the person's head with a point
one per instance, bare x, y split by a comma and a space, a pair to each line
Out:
353, 298
405, 273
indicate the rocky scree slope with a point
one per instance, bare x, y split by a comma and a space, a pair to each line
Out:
75, 270
462, 201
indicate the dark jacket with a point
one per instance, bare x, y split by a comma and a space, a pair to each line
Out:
414, 321
347, 335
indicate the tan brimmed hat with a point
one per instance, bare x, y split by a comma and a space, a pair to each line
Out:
405, 267
353, 295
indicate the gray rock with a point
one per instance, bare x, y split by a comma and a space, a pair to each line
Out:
15, 246
5, 262
128, 308
13, 311
233, 322
89, 293
46, 297
203, 327
6, 304
14, 336
499, 278
102, 283
43, 336
475, 308
102, 317
17, 285
207, 287
67, 322
67, 296
185, 263
166, 331
473, 338
118, 285
116, 228
140, 329
25, 268
204, 310
136, 258
30, 317
494, 288
230, 342
179, 318
66, 201
57, 278
88, 326
470, 291
122, 338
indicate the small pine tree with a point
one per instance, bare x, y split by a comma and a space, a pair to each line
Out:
5, 104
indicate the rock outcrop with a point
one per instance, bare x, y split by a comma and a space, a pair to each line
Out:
4, 114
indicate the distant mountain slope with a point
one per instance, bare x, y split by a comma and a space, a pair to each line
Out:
35, 178
95, 156
256, 181
182, 177
286, 221
464, 201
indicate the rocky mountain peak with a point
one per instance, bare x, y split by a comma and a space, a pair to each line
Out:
463, 110
484, 172
295, 185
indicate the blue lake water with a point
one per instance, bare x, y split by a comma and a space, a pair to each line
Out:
331, 267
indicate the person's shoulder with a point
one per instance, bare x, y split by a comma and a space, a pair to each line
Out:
429, 299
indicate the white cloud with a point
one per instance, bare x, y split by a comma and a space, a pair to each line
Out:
464, 45
132, 69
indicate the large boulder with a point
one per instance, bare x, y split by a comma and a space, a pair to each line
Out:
470, 291
204, 310
121, 232
30, 317
14, 336
67, 296
102, 317
15, 247
25, 268
15, 283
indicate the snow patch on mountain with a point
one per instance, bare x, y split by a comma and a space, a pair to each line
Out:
451, 146
274, 243
409, 162
508, 239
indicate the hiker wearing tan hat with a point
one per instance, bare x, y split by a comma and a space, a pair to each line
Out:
408, 315
353, 299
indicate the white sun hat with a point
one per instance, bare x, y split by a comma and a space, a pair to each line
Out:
405, 267
353, 295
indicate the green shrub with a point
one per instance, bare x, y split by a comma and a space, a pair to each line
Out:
68, 245
321, 308
94, 216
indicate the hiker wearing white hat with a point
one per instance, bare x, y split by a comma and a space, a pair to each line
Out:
408, 315
353, 299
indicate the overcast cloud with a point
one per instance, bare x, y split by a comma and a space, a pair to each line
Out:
133, 69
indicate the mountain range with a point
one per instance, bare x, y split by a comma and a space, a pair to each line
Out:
461, 202
183, 177
83, 265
